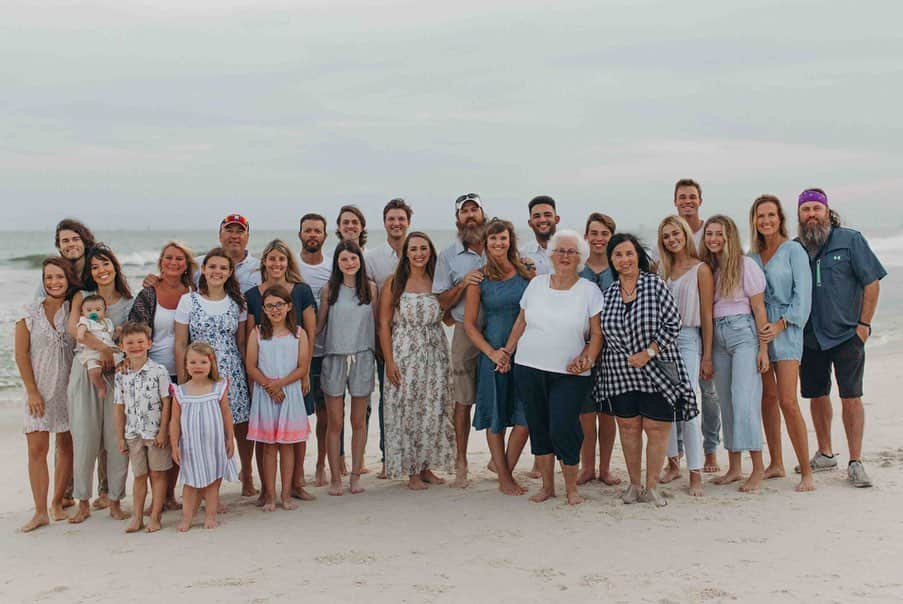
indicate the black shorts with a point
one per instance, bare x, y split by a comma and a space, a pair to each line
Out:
314, 400
650, 405
848, 360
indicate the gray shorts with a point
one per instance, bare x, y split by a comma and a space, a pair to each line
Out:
355, 371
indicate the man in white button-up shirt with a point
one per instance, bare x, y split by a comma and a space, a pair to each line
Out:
543, 222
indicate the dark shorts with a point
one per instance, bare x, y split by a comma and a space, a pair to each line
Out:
646, 404
314, 399
589, 405
848, 360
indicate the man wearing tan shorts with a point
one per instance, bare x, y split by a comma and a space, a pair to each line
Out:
457, 267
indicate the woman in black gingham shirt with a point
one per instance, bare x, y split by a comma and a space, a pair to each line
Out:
640, 377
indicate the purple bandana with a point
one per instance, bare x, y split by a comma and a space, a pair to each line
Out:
810, 195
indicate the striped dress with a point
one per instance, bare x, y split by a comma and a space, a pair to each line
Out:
203, 440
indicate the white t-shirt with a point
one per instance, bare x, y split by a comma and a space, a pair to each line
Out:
557, 323
163, 347
317, 276
211, 307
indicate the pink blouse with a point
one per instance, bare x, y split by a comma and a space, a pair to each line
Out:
752, 283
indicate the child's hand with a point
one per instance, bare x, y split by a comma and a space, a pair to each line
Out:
123, 448
161, 440
176, 454
230, 447
279, 395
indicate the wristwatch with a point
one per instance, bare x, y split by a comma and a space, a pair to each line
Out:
651, 352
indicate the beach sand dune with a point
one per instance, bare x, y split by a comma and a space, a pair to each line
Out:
838, 544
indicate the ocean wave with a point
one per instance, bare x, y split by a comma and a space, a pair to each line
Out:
889, 249
28, 260
146, 258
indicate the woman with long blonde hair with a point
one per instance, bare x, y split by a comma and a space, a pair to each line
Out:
739, 314
788, 300
691, 283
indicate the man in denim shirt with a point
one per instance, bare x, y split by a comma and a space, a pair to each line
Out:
845, 287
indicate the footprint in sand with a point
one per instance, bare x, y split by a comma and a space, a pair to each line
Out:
352, 557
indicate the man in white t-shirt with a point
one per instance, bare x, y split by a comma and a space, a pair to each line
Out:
315, 269
543, 222
687, 199
381, 263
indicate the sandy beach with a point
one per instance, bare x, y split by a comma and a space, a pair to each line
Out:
838, 544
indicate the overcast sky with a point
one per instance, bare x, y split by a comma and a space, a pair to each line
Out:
153, 114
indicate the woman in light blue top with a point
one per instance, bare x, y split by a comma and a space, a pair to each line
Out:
788, 299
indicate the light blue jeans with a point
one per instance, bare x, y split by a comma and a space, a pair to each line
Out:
711, 416
738, 382
689, 343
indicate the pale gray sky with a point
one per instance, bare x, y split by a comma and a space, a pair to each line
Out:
153, 114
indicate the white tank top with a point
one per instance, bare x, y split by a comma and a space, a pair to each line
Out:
685, 290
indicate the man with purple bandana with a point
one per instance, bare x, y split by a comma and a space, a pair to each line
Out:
845, 287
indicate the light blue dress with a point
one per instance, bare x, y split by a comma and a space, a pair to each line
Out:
497, 406
202, 441
788, 294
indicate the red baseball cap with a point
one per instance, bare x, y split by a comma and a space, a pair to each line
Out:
235, 219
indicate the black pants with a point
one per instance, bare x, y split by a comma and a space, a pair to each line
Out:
553, 402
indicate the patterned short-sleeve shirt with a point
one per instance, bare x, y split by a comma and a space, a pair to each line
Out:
142, 393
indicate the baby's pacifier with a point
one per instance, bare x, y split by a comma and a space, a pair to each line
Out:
93, 316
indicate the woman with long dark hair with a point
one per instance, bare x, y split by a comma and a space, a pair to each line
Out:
419, 406
91, 419
216, 314
497, 405
348, 310
44, 358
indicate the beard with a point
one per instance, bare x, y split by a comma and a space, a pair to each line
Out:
312, 248
471, 234
813, 237
544, 237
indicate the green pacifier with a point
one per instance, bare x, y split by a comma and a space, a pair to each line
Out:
93, 316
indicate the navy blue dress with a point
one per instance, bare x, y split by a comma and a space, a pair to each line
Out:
497, 406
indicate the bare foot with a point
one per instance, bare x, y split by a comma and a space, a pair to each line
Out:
268, 506
153, 525
806, 484
117, 513
710, 466
335, 489
727, 478
365, 470
82, 513
541, 496
586, 475
672, 471
302, 494
211, 523
534, 472
222, 508
491, 466
428, 477
609, 478
261, 501
57, 513
574, 499
102, 502
696, 489
511, 488
460, 481
289, 504
172, 504
136, 524
774, 471
184, 526
382, 472
247, 488
37, 521
415, 483
68, 502
320, 477
354, 484
752, 483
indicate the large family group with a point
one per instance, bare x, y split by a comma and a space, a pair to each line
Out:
566, 341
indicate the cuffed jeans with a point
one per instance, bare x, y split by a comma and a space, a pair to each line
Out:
689, 343
737, 380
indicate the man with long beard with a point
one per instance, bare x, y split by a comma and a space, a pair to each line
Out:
457, 267
845, 287
543, 222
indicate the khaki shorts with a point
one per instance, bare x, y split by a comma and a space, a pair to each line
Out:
464, 356
143, 455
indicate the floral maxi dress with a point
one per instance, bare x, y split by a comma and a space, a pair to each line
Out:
419, 413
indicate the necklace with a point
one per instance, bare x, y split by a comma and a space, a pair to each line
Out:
627, 294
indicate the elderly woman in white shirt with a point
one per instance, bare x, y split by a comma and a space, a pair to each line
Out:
558, 337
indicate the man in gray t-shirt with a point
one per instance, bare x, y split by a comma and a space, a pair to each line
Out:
457, 267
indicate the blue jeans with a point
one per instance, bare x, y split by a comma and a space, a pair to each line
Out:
737, 380
689, 343
711, 416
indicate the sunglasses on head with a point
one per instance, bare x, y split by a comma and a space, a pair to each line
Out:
467, 197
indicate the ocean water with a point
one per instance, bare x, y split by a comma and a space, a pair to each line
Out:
21, 253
